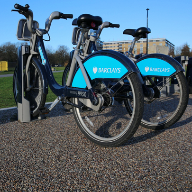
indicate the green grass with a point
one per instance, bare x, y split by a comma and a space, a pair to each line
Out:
58, 78
6, 91
59, 68
11, 70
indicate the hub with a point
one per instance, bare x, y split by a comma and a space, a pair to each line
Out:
108, 100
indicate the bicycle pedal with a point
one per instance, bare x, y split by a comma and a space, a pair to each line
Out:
44, 111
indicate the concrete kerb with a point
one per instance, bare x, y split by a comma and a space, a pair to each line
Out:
9, 108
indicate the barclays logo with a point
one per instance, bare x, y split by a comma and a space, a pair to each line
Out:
160, 70
94, 70
146, 69
106, 70
42, 56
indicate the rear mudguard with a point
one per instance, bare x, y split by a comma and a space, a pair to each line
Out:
104, 64
43, 73
158, 65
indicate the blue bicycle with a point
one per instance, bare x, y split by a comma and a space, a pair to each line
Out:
165, 88
99, 91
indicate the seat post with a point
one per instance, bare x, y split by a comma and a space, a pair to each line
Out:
132, 45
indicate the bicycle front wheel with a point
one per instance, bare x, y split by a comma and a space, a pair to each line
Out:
34, 91
113, 125
162, 112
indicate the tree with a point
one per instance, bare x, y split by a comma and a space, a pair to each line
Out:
62, 55
178, 51
8, 52
185, 50
171, 52
50, 55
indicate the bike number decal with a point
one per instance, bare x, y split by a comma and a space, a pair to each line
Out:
99, 67
155, 67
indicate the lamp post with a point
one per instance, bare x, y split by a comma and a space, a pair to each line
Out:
147, 34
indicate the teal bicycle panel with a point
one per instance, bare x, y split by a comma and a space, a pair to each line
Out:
155, 67
100, 67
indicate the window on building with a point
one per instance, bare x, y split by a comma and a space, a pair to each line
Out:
141, 45
141, 50
154, 43
160, 44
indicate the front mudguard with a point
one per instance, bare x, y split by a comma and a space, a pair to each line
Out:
158, 65
104, 64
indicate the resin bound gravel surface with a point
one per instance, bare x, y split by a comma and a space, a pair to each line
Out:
53, 155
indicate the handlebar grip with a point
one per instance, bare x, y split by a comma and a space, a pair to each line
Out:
114, 25
65, 16
17, 6
70, 16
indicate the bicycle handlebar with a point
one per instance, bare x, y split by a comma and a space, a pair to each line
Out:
20, 7
105, 25
29, 16
65, 16
56, 15
114, 25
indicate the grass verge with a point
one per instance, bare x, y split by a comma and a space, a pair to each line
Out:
6, 91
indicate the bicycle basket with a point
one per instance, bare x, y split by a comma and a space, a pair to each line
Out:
22, 30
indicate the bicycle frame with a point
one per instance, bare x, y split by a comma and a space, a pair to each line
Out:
90, 98
48, 78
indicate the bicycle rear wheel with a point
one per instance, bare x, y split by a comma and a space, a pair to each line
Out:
112, 126
162, 112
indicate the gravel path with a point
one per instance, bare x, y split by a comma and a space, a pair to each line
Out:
53, 155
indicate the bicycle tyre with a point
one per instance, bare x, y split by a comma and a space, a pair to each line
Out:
172, 107
15, 91
113, 126
35, 94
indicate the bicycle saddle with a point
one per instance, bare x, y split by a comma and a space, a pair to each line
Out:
89, 21
140, 32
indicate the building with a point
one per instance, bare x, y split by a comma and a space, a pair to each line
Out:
158, 45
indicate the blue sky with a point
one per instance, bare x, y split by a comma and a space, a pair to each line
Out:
170, 19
